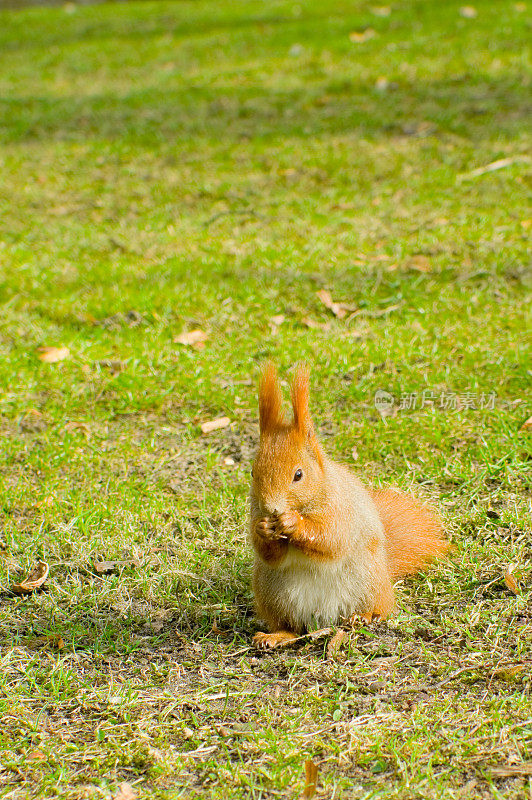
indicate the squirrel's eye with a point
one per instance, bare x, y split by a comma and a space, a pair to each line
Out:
251, 471
298, 475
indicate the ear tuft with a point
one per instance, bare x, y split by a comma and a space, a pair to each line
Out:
270, 399
300, 396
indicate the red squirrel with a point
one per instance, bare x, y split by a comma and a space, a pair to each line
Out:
326, 547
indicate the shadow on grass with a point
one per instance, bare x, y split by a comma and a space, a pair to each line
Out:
471, 106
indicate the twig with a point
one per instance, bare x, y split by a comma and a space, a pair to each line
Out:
500, 163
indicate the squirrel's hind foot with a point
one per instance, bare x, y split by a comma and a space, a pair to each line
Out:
269, 641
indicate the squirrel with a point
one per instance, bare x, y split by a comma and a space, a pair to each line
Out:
327, 548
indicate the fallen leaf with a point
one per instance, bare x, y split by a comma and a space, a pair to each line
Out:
526, 424
36, 755
82, 427
53, 640
311, 779
381, 11
338, 309
311, 323
229, 462
35, 579
512, 769
357, 37
46, 502
510, 581
277, 320
52, 354
32, 412
354, 454
469, 12
420, 262
333, 648
125, 792
508, 673
215, 424
381, 84
195, 338
107, 567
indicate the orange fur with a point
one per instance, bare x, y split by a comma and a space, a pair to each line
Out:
300, 396
414, 533
326, 547
270, 399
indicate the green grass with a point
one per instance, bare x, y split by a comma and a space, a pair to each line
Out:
213, 165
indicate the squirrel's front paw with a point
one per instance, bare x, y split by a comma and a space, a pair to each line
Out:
267, 529
288, 523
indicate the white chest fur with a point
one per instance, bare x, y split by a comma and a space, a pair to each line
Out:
319, 594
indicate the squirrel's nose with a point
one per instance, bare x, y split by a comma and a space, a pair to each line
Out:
273, 506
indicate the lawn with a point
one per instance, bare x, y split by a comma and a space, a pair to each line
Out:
176, 166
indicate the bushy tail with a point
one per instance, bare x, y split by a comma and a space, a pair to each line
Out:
414, 533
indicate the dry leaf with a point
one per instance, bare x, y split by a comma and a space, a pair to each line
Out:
508, 673
33, 412
35, 579
354, 454
106, 567
512, 769
47, 501
215, 424
420, 262
510, 581
311, 779
82, 427
229, 462
338, 309
53, 640
52, 354
196, 338
277, 320
357, 37
526, 424
333, 648
469, 12
311, 323
37, 755
125, 792
381, 11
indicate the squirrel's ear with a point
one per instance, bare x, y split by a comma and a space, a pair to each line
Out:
300, 394
270, 399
